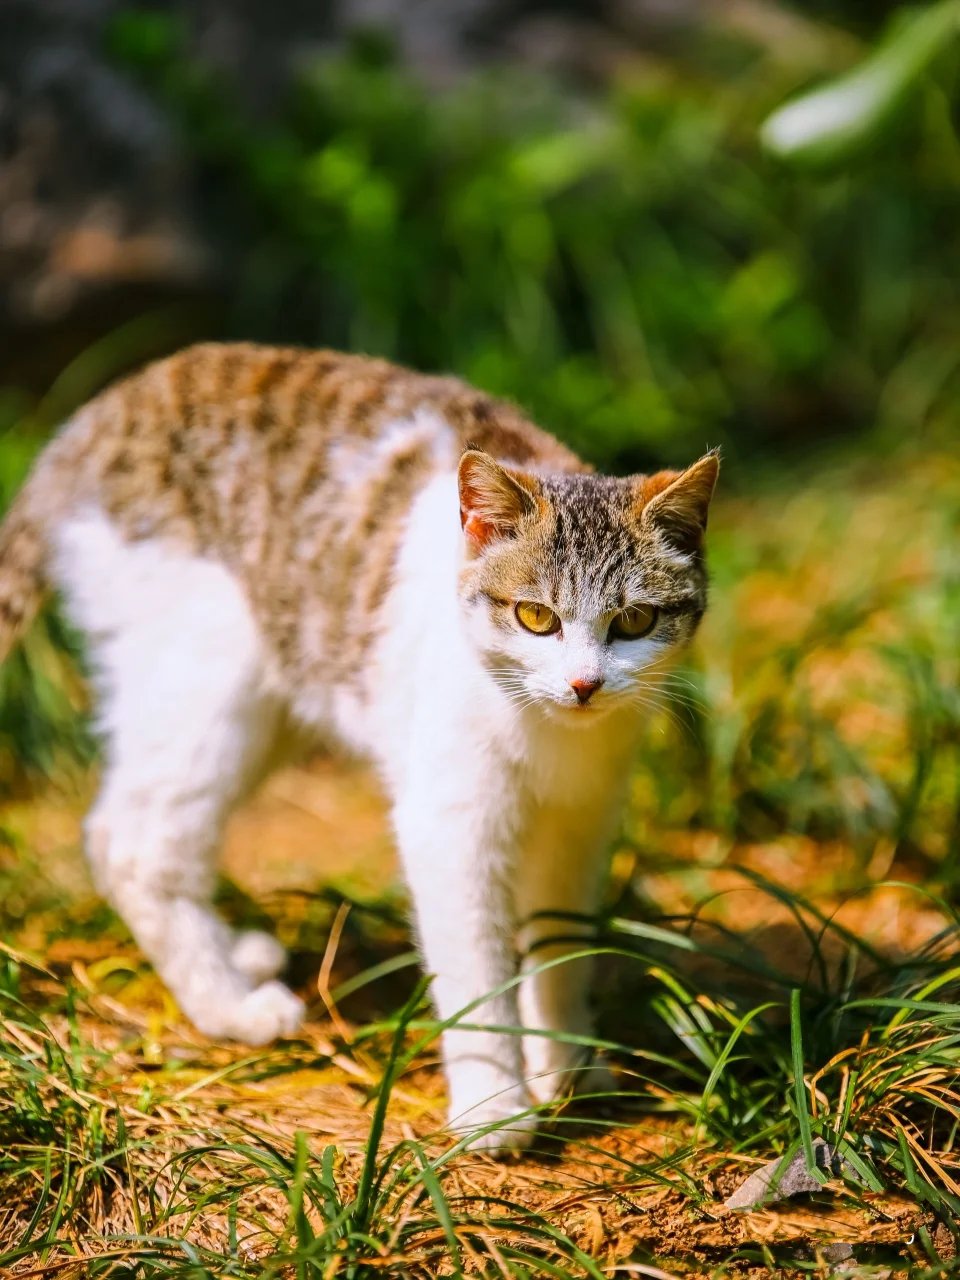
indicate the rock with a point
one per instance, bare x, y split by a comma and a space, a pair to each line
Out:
766, 1187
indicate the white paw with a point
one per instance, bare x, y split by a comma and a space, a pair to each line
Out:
512, 1134
257, 955
499, 1125
598, 1077
267, 1013
556, 1070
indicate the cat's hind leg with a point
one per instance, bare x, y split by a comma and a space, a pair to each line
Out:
187, 717
257, 954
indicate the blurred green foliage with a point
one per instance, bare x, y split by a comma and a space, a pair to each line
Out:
627, 264
633, 268
838, 120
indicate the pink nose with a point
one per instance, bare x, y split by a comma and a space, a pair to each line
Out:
585, 689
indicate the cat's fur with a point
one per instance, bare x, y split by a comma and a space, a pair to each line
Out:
260, 544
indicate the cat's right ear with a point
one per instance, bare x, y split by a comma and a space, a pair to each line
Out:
493, 500
677, 501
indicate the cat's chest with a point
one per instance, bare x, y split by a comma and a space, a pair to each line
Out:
569, 767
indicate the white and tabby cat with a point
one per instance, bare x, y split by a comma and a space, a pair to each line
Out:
258, 542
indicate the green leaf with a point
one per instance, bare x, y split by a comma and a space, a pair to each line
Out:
799, 1088
840, 118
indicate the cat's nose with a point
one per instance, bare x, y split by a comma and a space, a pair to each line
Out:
585, 689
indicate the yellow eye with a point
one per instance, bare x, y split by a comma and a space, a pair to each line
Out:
537, 618
633, 622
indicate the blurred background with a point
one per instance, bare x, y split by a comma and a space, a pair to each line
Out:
585, 207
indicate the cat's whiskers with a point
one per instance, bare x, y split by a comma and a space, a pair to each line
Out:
689, 702
676, 686
653, 697
515, 687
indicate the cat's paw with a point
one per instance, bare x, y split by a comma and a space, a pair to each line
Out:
511, 1135
556, 1070
500, 1125
596, 1078
257, 955
268, 1012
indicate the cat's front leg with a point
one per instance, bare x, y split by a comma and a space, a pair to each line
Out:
558, 890
458, 860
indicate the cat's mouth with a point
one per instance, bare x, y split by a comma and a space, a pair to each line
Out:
583, 711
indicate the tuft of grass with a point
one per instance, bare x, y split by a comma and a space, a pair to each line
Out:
865, 1054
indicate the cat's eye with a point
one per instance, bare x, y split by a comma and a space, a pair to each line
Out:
537, 618
632, 623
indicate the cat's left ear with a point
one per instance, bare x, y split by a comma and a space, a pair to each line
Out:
677, 502
493, 500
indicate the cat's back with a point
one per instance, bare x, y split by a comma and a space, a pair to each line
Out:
187, 444
295, 469
189, 447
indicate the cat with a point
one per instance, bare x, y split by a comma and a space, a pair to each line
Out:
260, 544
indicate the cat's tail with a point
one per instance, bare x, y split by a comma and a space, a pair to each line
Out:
25, 541
23, 554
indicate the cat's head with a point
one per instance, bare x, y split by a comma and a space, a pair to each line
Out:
577, 587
